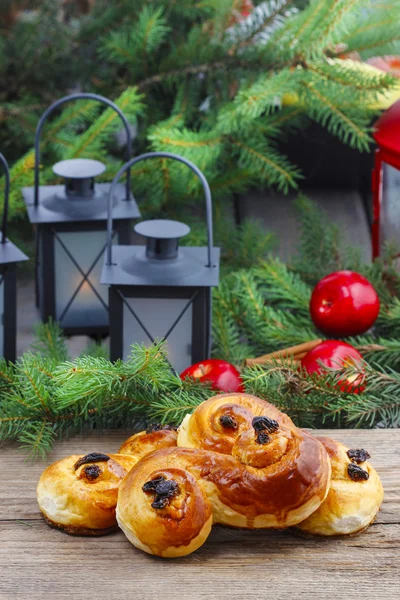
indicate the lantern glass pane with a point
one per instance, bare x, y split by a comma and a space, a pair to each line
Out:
86, 309
1, 315
157, 316
390, 217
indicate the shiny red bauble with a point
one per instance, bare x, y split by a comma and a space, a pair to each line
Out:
222, 375
335, 355
344, 303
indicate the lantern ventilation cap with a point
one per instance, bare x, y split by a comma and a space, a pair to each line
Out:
79, 174
162, 235
79, 168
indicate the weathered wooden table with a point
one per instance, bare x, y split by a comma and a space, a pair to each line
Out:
38, 562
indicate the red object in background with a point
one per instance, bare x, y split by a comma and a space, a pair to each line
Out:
388, 64
335, 355
344, 303
243, 10
387, 136
223, 376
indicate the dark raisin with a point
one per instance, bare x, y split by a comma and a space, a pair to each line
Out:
163, 489
91, 458
356, 473
150, 486
228, 422
358, 455
263, 437
265, 423
160, 502
166, 488
92, 472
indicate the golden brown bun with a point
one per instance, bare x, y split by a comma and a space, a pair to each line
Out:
145, 442
244, 461
353, 500
203, 429
81, 498
178, 528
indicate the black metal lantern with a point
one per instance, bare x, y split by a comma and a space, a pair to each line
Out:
161, 291
70, 224
10, 255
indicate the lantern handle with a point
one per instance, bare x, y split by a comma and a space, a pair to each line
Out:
60, 102
196, 170
6, 196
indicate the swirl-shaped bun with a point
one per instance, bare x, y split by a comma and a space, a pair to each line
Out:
155, 438
355, 493
250, 464
79, 493
217, 422
162, 508
283, 471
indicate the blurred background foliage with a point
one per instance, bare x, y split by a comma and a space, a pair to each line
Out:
221, 82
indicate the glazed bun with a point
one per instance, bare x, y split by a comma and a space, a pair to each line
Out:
244, 464
261, 456
217, 423
162, 507
79, 493
156, 437
355, 493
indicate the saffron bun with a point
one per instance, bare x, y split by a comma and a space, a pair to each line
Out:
355, 493
204, 429
239, 462
79, 493
162, 507
156, 437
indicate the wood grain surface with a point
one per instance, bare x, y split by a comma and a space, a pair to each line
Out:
37, 562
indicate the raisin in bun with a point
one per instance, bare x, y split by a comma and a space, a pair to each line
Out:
162, 506
355, 494
244, 462
270, 473
79, 493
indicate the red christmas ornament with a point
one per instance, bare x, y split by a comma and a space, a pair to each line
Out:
344, 303
223, 376
387, 138
335, 355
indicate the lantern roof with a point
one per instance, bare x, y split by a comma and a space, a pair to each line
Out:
56, 207
10, 253
387, 133
133, 267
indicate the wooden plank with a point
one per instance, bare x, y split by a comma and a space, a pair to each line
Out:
38, 562
278, 215
43, 563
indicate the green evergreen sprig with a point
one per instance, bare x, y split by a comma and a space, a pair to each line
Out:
261, 307
193, 80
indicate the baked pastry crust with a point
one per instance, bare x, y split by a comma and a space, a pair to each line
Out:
81, 498
145, 442
244, 462
351, 504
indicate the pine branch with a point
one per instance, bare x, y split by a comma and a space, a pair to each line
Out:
173, 406
255, 100
257, 157
326, 107
320, 399
281, 286
91, 142
50, 342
